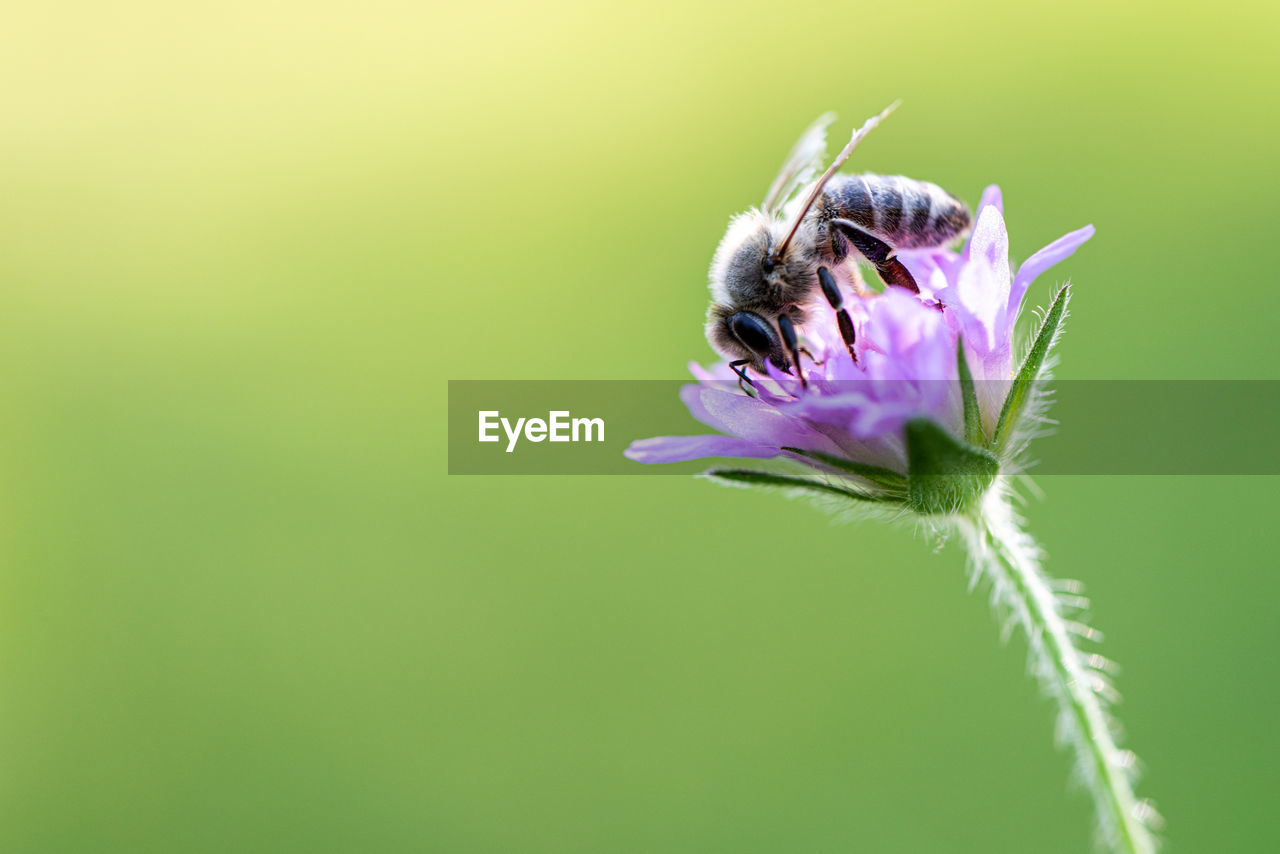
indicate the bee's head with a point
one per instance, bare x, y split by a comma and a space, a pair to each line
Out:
752, 265
750, 290
744, 270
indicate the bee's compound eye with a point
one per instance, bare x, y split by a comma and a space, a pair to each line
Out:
753, 331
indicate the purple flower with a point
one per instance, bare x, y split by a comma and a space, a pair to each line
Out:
907, 365
909, 403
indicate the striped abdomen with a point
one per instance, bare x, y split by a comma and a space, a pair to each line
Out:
903, 212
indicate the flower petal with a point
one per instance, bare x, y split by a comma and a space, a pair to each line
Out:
760, 421
691, 397
980, 297
902, 331
1059, 250
933, 270
991, 197
701, 374
678, 449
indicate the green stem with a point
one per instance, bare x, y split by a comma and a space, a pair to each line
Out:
1007, 555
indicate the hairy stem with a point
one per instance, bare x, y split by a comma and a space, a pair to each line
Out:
1008, 557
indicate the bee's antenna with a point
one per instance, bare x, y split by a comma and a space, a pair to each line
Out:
858, 135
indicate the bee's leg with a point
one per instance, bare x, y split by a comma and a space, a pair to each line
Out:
879, 253
832, 293
804, 351
788, 330
737, 368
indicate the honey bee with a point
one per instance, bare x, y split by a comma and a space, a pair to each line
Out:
774, 258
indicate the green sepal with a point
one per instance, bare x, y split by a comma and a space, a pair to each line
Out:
947, 475
973, 432
1020, 391
749, 477
880, 476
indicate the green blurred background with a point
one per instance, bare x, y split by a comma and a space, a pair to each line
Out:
242, 607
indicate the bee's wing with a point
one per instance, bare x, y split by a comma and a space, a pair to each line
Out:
804, 161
